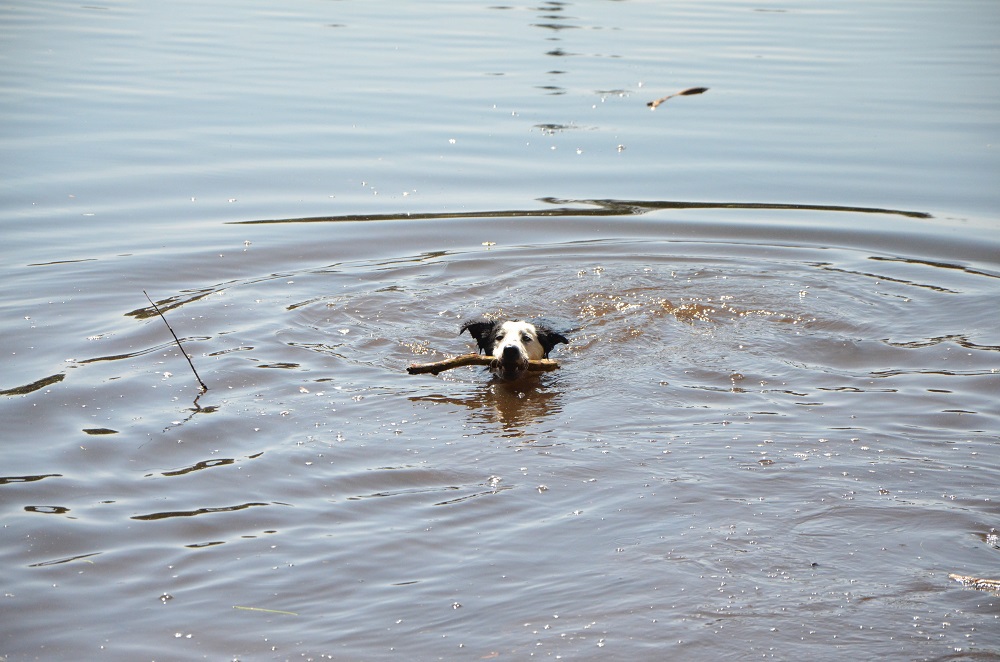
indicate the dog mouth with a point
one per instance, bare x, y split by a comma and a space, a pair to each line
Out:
510, 364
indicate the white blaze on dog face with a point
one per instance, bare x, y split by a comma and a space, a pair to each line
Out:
519, 336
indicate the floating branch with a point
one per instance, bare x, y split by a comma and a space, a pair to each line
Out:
178, 341
541, 365
683, 93
977, 582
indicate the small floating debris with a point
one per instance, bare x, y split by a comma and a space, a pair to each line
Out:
550, 129
683, 93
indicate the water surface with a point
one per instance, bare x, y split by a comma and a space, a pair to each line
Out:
774, 431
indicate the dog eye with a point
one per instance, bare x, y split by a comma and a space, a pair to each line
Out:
526, 338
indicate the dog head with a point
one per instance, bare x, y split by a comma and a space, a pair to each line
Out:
512, 343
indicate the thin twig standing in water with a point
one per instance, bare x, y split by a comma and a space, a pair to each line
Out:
178, 341
683, 93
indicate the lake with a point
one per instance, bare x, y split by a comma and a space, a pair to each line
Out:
773, 434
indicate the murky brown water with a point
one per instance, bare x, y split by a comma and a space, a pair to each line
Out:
774, 433
753, 447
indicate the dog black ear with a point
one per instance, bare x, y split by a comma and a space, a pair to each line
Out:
484, 331
549, 338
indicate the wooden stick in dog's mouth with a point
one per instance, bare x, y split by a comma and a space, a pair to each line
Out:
540, 365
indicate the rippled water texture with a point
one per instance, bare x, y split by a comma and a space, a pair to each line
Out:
773, 433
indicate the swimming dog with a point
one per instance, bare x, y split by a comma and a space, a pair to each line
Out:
512, 343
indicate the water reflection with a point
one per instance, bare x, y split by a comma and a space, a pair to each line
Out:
50, 510
35, 385
594, 207
199, 511
554, 23
513, 406
6, 480
69, 559
205, 464
936, 264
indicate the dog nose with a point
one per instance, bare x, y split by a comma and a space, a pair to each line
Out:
511, 353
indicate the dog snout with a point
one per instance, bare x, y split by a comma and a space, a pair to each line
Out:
511, 353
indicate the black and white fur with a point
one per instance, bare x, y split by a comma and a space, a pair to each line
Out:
512, 343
